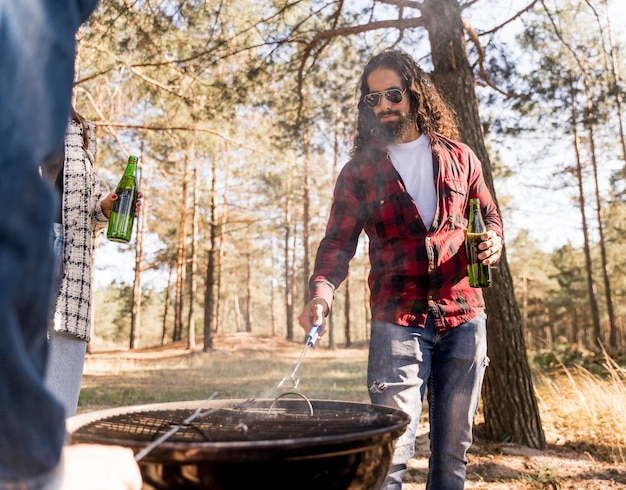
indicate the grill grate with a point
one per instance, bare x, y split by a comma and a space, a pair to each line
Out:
230, 425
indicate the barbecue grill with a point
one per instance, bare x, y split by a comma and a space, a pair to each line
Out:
240, 444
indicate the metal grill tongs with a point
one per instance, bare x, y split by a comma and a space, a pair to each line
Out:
291, 381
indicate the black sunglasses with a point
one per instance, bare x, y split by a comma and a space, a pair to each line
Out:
393, 95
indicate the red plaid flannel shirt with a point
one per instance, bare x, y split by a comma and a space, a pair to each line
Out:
414, 271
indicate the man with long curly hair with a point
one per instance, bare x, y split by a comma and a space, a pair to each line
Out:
408, 185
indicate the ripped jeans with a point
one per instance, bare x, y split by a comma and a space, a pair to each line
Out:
403, 361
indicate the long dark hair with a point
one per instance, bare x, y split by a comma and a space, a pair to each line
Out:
83, 123
433, 116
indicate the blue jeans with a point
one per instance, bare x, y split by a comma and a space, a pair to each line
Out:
57, 239
37, 47
403, 362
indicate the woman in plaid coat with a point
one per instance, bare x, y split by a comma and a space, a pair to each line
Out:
83, 212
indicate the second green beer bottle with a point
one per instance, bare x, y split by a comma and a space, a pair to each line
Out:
123, 212
479, 275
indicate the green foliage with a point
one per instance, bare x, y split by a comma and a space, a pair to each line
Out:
112, 308
112, 316
551, 291
566, 81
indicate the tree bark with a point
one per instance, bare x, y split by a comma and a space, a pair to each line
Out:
166, 307
591, 287
181, 259
509, 402
135, 324
306, 222
220, 257
288, 276
273, 293
191, 321
248, 318
590, 121
209, 294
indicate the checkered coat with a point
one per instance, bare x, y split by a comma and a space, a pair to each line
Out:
83, 222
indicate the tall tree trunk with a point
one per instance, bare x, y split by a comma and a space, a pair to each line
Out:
598, 335
191, 321
292, 281
181, 258
591, 287
288, 276
236, 312
248, 268
330, 320
510, 406
248, 318
273, 292
166, 308
209, 293
135, 324
306, 205
614, 83
220, 256
525, 327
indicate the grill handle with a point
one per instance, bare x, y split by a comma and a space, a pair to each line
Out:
313, 335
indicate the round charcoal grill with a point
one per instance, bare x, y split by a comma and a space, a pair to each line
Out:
240, 444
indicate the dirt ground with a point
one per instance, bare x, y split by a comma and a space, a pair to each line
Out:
491, 465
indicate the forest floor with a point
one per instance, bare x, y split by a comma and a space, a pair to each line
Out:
492, 465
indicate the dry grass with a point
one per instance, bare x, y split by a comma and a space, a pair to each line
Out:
586, 410
240, 366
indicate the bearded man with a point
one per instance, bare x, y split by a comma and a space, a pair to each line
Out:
408, 185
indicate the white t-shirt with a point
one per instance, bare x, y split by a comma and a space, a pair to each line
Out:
414, 163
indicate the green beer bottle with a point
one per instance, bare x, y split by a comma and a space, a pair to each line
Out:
479, 275
123, 212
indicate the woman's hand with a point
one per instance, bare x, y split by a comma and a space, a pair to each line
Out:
107, 204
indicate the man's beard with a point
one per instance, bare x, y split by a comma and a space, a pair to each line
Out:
394, 131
